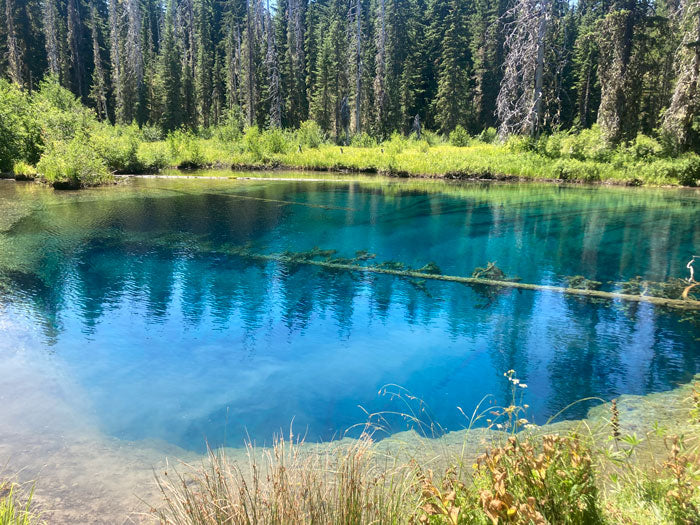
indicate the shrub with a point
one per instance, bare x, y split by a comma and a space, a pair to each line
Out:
118, 146
488, 136
644, 147
575, 170
685, 170
310, 134
547, 480
588, 144
520, 143
185, 149
460, 137
551, 146
231, 127
23, 170
151, 133
153, 157
396, 144
252, 142
363, 140
61, 115
20, 137
73, 165
432, 138
275, 141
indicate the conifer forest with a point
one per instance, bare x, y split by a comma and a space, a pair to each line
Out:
375, 66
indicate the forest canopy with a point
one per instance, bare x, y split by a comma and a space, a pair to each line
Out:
375, 66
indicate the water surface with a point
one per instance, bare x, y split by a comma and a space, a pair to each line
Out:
131, 300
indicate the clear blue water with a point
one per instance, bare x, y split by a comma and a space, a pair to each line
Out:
130, 292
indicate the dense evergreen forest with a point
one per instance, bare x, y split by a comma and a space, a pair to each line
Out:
377, 66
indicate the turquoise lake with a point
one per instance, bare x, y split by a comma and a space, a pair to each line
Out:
135, 296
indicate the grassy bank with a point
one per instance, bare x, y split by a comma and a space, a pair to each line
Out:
633, 461
50, 135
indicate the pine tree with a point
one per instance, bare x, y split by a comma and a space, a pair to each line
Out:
98, 90
617, 76
170, 72
14, 51
205, 59
452, 105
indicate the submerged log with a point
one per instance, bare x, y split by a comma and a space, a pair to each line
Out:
684, 304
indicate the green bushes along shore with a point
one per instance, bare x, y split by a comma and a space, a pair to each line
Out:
49, 134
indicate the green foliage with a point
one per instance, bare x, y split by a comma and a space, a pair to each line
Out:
23, 170
432, 138
72, 164
231, 127
12, 510
488, 136
118, 147
576, 170
275, 141
520, 144
587, 144
19, 134
59, 113
253, 143
363, 140
185, 149
644, 148
460, 137
309, 134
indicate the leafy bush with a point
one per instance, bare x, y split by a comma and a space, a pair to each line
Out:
252, 142
588, 144
644, 147
154, 156
488, 136
151, 133
118, 146
576, 170
185, 149
551, 145
20, 136
231, 127
396, 144
23, 171
310, 134
73, 164
275, 141
363, 140
685, 170
520, 144
460, 137
61, 115
432, 138
547, 480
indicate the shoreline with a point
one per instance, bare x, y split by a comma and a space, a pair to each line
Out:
353, 173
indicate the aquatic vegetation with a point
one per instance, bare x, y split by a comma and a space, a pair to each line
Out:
581, 283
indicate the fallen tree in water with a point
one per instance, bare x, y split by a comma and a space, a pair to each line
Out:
667, 294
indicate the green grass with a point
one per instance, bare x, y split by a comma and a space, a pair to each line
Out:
412, 158
15, 507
